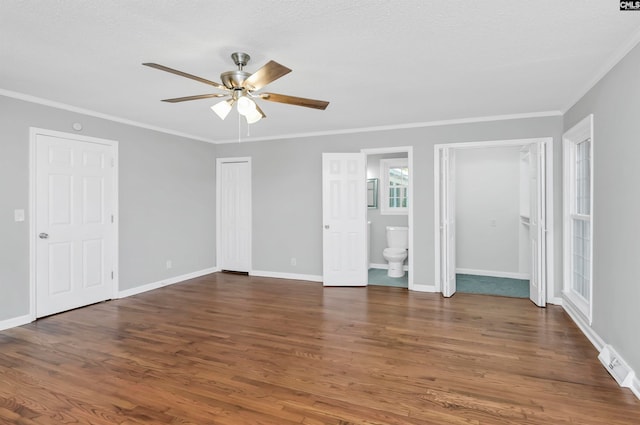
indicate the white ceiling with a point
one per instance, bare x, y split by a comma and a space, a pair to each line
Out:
380, 63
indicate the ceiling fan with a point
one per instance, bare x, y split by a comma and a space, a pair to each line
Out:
242, 88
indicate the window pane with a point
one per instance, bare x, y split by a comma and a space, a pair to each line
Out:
581, 258
398, 181
582, 197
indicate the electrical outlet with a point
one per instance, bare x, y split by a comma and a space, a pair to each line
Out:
18, 215
169, 264
293, 261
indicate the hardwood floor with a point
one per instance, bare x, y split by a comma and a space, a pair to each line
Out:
229, 349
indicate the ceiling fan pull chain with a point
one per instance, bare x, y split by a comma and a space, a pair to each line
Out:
239, 128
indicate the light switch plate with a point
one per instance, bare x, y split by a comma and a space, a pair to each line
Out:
18, 215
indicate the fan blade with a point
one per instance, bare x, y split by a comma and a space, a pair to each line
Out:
196, 97
292, 100
184, 74
268, 73
261, 111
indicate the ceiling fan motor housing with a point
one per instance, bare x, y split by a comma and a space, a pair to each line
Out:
234, 79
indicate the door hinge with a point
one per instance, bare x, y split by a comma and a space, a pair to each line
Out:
112, 218
111, 274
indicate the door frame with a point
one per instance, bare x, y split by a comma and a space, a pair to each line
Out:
548, 143
410, 192
219, 162
33, 133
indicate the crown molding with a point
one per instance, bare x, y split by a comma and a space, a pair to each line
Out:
490, 118
89, 112
608, 65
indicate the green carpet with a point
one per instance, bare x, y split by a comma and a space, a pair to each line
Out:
489, 285
379, 277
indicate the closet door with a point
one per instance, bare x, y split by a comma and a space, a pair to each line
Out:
447, 222
234, 214
537, 229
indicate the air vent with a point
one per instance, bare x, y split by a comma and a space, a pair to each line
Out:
617, 367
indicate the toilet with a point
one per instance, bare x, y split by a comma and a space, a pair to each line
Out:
396, 253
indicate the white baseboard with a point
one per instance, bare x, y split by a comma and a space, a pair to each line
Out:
165, 282
23, 320
493, 273
555, 300
385, 266
293, 276
424, 288
580, 321
621, 372
635, 387
16, 321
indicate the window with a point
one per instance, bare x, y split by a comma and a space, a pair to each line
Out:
395, 185
578, 176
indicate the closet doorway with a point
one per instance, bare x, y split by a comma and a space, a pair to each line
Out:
528, 218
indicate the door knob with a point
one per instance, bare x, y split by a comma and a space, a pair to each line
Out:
326, 226
43, 235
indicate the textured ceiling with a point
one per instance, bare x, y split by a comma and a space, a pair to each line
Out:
379, 63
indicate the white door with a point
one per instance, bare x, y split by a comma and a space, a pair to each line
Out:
447, 222
344, 213
74, 208
234, 214
537, 229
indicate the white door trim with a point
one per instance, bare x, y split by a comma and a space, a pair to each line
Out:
219, 162
33, 133
409, 151
548, 142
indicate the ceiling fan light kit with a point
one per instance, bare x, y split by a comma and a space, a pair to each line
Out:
240, 86
223, 108
254, 116
246, 105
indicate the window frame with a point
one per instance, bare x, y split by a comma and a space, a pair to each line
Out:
580, 133
385, 165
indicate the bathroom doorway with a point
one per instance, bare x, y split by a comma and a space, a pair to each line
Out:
390, 203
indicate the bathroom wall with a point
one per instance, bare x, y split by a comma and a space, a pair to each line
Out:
379, 222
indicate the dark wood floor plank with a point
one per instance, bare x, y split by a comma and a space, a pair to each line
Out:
230, 349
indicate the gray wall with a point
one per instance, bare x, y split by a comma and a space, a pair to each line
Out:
167, 194
615, 102
379, 222
167, 199
488, 209
290, 171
